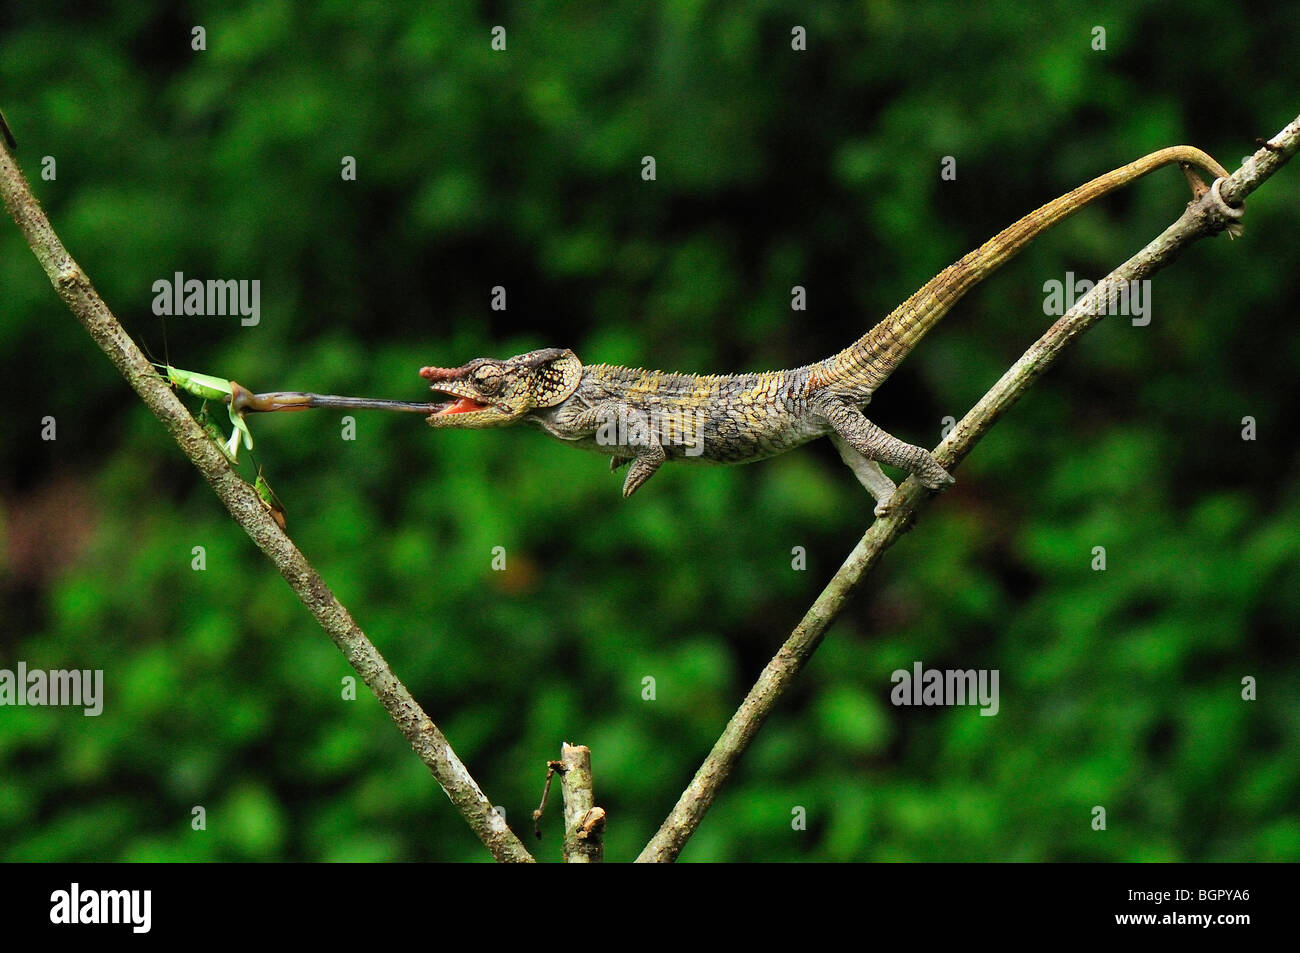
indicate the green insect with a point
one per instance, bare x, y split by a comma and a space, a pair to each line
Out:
220, 389
200, 385
214, 388
269, 499
212, 430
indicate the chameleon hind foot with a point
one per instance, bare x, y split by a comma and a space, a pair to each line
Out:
930, 473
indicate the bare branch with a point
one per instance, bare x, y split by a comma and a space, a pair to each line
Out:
584, 822
426, 740
1206, 215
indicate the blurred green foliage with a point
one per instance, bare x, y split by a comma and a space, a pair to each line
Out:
775, 168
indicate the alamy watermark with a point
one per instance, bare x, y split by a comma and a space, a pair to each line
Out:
1123, 297
634, 428
133, 908
215, 297
78, 688
946, 687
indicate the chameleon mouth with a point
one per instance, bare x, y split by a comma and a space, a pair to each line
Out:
461, 405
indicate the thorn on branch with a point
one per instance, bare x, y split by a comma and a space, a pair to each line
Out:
1199, 188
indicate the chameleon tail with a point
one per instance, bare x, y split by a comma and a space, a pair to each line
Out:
863, 366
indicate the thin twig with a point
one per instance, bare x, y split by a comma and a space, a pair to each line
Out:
551, 768
426, 740
1204, 216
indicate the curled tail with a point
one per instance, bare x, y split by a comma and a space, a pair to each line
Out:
865, 364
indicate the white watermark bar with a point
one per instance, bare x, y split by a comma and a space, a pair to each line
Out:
102, 907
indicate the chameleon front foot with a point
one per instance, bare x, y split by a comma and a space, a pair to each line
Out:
643, 468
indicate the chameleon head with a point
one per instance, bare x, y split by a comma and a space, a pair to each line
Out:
491, 393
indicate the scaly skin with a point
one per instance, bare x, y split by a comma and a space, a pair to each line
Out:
650, 417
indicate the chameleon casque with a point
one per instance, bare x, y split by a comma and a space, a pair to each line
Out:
647, 418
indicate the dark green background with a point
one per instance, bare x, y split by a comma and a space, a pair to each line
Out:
775, 168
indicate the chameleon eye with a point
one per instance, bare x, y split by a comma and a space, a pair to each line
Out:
488, 379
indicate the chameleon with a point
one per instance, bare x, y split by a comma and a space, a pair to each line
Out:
645, 418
